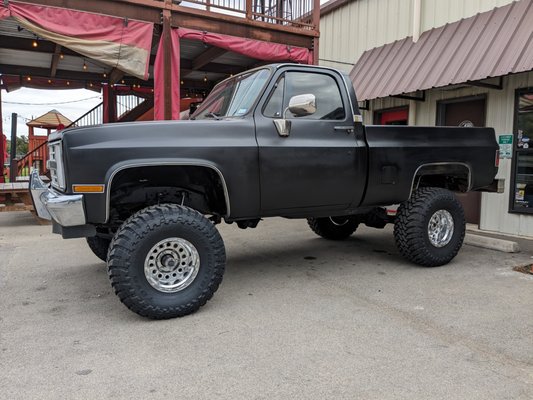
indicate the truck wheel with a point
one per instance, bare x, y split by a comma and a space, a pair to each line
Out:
99, 246
334, 228
430, 227
166, 261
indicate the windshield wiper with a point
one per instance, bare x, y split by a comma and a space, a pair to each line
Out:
213, 115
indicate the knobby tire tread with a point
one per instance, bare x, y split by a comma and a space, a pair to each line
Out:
133, 230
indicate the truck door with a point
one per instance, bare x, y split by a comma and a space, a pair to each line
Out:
320, 164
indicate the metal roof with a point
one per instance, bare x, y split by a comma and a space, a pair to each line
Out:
490, 44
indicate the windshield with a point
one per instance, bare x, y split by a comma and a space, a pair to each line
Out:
234, 97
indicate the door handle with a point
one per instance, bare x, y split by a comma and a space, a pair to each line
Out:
348, 129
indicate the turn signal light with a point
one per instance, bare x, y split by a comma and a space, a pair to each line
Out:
88, 188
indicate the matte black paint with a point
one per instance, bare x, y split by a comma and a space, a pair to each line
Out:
316, 171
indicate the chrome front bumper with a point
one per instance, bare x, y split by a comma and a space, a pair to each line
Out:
66, 210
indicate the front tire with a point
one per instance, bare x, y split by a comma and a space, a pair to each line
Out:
334, 228
99, 246
166, 261
430, 227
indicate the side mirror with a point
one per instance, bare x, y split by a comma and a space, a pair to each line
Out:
302, 105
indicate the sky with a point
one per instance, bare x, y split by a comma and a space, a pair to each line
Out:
72, 103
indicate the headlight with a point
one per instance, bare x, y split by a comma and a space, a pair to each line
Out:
55, 165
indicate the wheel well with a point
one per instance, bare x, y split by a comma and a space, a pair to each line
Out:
452, 176
198, 187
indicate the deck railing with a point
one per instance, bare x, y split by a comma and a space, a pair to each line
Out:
297, 13
127, 103
34, 159
92, 117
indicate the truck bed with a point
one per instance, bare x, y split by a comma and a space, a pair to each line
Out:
395, 153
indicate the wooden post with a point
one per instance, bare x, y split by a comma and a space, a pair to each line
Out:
316, 25
13, 166
167, 59
249, 10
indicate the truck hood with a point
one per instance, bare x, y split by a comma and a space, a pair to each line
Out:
135, 131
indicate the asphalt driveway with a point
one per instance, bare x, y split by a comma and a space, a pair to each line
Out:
296, 317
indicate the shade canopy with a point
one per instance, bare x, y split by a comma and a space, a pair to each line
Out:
52, 120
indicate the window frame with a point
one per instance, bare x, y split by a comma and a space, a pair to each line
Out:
283, 74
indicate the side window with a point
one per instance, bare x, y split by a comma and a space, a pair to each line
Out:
328, 96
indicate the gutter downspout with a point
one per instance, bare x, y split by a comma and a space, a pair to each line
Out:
417, 8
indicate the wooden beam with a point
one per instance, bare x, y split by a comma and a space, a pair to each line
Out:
207, 56
55, 61
149, 11
45, 73
115, 76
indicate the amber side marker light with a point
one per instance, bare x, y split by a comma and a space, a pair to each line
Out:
88, 188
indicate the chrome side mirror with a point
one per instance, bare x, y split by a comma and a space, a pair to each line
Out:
302, 105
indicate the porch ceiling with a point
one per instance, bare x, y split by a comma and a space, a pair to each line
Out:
19, 57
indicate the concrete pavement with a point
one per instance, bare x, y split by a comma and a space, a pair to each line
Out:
296, 317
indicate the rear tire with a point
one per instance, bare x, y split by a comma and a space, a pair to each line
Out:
430, 227
99, 246
166, 261
334, 228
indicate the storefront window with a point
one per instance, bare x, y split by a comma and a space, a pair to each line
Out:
522, 200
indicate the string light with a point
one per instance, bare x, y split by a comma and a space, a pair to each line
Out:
105, 75
84, 66
28, 78
68, 83
34, 43
90, 84
181, 82
61, 56
122, 81
205, 78
49, 81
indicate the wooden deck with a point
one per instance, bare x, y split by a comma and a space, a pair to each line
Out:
15, 187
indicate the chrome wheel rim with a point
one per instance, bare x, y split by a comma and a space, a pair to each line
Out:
339, 221
171, 265
440, 228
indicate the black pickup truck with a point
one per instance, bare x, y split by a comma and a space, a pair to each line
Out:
281, 140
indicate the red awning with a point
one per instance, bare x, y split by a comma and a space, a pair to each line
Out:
117, 42
257, 49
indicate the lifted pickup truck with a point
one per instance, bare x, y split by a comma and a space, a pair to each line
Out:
281, 140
